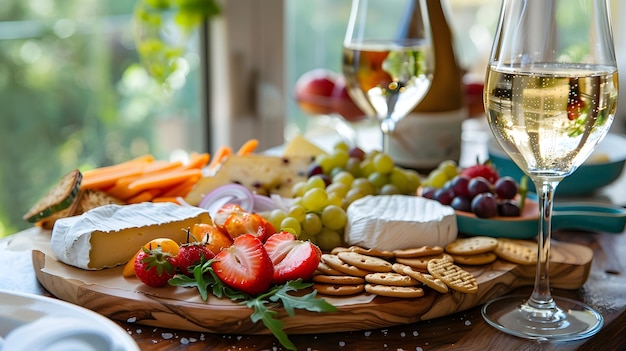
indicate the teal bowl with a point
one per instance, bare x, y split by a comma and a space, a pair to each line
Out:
603, 168
580, 216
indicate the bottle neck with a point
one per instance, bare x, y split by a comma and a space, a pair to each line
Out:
446, 92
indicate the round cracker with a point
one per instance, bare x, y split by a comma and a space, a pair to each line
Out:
394, 291
421, 263
418, 251
475, 260
338, 279
472, 245
369, 263
424, 278
517, 251
391, 279
335, 262
339, 289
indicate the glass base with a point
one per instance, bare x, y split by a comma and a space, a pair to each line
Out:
567, 321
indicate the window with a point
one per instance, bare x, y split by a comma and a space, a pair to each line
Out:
74, 96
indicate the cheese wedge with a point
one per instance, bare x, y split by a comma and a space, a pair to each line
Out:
110, 235
301, 146
392, 222
261, 174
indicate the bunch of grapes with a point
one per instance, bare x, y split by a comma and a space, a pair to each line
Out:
335, 180
480, 191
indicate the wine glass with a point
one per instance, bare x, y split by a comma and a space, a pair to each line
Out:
387, 59
550, 96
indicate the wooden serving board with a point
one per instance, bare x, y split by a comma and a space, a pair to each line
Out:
109, 294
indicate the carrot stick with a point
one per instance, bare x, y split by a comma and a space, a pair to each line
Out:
220, 155
105, 180
248, 147
120, 189
173, 199
138, 161
164, 179
161, 166
182, 188
198, 160
144, 196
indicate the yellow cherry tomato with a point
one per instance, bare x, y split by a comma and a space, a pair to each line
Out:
167, 245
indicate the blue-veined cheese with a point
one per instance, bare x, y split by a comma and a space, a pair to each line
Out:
110, 235
391, 222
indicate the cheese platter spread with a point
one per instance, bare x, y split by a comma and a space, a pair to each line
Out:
347, 238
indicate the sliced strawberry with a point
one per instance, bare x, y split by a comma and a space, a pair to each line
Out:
485, 170
292, 258
190, 255
245, 265
154, 267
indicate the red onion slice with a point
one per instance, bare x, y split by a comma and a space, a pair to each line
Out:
263, 203
225, 194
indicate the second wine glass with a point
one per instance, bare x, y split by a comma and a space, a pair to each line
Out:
550, 97
387, 59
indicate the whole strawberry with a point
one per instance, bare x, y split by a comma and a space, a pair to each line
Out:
484, 170
190, 255
154, 267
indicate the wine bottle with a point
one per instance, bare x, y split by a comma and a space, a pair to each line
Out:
431, 133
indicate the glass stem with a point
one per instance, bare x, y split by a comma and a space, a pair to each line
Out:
541, 297
387, 126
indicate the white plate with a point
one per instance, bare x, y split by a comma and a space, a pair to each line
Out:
59, 324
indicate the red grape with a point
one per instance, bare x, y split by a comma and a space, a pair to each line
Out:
485, 205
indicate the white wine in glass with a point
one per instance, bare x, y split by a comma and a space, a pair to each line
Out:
387, 59
550, 97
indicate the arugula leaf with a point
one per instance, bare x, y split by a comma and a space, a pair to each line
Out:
204, 277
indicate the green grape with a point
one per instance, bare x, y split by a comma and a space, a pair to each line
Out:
354, 166
335, 171
449, 167
312, 224
335, 199
297, 211
341, 145
340, 189
304, 236
365, 185
352, 195
437, 178
299, 188
367, 167
315, 199
383, 163
414, 181
324, 161
334, 217
339, 158
276, 217
399, 178
370, 155
315, 181
291, 224
389, 189
344, 177
328, 239
378, 179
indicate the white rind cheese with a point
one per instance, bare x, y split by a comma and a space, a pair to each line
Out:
391, 222
110, 235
